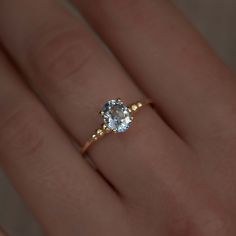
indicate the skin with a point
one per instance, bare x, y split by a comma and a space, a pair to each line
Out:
3, 233
172, 173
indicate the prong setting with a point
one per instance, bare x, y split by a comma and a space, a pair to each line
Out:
116, 116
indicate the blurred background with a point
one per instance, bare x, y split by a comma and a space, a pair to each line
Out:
215, 19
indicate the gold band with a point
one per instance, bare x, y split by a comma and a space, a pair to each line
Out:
104, 130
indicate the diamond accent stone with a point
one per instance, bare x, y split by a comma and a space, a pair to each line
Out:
116, 115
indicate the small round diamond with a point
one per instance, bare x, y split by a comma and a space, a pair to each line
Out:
116, 115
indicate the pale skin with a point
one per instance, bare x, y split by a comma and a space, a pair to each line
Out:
172, 173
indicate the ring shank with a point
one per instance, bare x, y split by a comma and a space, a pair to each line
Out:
97, 135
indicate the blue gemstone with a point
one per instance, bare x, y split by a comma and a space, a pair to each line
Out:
117, 116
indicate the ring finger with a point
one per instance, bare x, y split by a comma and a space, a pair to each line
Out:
75, 75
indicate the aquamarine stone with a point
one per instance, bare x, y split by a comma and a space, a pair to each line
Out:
116, 115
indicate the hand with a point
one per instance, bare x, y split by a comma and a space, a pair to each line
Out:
172, 173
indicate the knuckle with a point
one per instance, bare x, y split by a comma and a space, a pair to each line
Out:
20, 132
61, 52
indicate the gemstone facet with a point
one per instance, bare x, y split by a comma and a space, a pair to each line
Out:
116, 116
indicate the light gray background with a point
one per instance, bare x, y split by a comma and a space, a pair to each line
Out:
215, 19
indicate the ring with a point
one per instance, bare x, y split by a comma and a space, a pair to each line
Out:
117, 118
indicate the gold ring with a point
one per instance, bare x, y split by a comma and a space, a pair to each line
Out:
117, 118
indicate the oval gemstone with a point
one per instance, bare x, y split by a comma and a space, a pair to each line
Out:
116, 116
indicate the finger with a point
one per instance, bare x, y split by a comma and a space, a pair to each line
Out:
75, 76
2, 232
44, 166
194, 90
